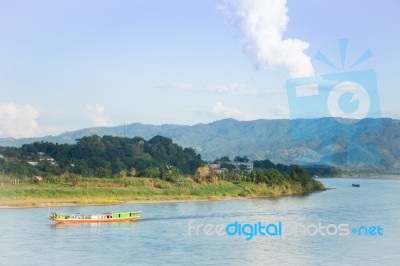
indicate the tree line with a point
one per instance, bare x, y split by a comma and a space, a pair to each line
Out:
159, 157
102, 157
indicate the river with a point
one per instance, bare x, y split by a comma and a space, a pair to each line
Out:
312, 229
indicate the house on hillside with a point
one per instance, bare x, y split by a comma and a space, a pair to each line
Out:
31, 161
46, 158
216, 168
236, 166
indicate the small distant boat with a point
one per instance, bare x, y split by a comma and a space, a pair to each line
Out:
355, 185
95, 218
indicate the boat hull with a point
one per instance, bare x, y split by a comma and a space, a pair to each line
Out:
74, 221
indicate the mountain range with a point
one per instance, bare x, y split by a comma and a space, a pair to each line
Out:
367, 143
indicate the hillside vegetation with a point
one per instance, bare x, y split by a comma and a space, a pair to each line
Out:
113, 169
103, 157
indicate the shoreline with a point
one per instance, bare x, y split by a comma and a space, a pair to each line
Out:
29, 204
40, 203
47, 203
7, 203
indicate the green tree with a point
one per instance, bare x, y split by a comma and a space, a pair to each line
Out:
241, 159
222, 159
172, 174
152, 172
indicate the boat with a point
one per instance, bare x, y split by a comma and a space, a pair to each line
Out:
355, 185
95, 218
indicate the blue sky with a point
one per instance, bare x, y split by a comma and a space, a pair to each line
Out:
66, 65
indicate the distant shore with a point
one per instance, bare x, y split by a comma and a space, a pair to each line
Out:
372, 176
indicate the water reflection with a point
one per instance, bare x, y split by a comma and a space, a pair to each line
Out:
91, 225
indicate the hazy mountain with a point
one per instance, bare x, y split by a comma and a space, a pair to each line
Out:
368, 142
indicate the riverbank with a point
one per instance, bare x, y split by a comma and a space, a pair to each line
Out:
140, 190
41, 203
21, 204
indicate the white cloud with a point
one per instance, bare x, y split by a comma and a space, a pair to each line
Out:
180, 86
262, 23
223, 111
95, 112
18, 121
233, 88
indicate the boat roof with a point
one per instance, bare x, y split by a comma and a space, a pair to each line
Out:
93, 213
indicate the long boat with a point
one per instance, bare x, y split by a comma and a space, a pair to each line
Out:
95, 218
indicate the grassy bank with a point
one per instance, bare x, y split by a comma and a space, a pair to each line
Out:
113, 191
